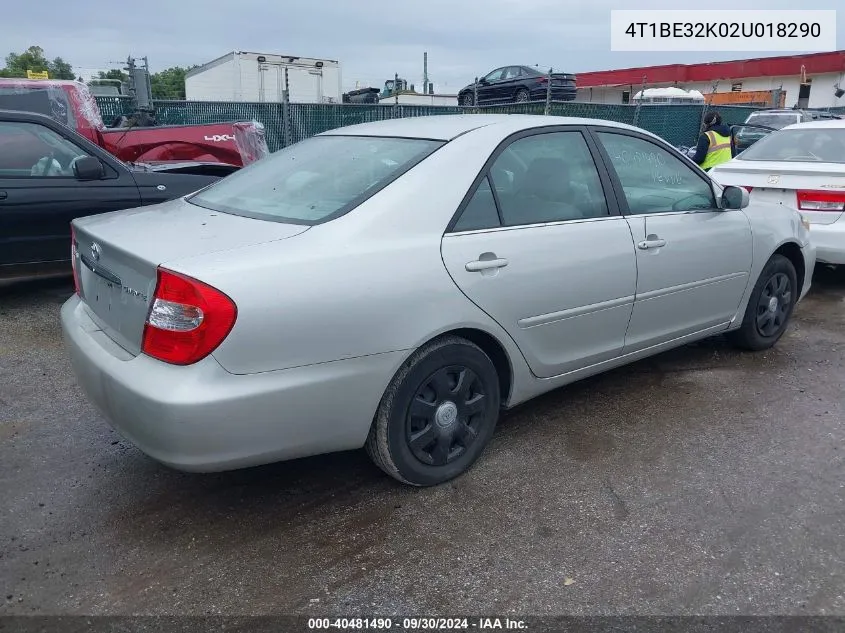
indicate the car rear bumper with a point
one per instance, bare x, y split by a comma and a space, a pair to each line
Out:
202, 418
558, 94
829, 241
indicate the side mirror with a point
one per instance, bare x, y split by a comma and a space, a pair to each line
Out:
735, 198
88, 168
482, 81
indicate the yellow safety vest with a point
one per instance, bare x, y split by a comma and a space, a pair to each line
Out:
719, 150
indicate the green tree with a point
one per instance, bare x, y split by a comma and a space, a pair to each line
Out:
35, 60
169, 83
114, 73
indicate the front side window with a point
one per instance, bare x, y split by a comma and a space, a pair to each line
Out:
496, 75
810, 145
653, 179
548, 178
30, 150
312, 181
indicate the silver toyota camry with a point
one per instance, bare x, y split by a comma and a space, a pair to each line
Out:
395, 285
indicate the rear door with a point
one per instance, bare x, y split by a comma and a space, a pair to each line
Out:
540, 248
693, 259
39, 195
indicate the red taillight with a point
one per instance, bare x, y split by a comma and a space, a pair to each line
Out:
747, 188
187, 321
821, 200
73, 248
543, 80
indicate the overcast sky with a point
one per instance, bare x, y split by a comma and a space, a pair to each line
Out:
373, 39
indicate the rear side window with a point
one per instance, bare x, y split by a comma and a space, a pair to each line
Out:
480, 212
315, 180
548, 178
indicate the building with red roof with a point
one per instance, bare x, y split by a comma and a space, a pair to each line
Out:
814, 80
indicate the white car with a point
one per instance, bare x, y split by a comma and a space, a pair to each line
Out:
801, 166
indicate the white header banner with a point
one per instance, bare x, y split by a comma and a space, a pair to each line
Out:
723, 31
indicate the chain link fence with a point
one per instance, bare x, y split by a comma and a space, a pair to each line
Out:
678, 124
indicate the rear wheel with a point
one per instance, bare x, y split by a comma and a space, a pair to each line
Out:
437, 415
522, 96
770, 306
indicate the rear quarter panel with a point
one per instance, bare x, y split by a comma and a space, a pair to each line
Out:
370, 282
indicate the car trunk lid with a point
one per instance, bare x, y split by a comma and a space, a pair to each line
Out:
781, 182
117, 256
563, 79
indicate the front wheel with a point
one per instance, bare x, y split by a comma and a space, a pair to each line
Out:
770, 306
437, 415
467, 100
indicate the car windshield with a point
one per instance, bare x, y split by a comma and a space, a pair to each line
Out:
825, 145
776, 121
315, 180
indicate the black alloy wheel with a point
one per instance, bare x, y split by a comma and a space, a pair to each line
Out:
445, 415
437, 414
774, 305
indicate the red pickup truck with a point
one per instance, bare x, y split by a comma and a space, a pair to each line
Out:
72, 104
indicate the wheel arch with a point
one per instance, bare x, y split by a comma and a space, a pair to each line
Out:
488, 343
792, 251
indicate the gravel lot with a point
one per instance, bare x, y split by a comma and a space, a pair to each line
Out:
702, 481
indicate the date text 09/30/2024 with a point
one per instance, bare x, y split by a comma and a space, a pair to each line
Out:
416, 624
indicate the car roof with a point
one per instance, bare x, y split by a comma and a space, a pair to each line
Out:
446, 127
24, 115
817, 124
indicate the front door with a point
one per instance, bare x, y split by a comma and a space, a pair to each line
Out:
693, 259
39, 194
540, 249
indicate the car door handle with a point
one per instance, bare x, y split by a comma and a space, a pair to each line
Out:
2, 195
485, 264
653, 242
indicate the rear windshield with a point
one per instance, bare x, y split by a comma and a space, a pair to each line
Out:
824, 145
315, 180
776, 121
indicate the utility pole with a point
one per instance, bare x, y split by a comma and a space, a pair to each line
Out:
425, 73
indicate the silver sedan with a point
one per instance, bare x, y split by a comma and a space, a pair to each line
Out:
395, 285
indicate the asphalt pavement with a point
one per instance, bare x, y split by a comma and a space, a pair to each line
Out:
702, 481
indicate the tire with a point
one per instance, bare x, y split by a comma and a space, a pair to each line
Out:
769, 307
467, 99
522, 96
456, 419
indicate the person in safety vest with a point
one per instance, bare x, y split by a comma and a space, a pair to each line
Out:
714, 144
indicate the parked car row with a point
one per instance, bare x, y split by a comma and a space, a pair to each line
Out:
396, 285
50, 175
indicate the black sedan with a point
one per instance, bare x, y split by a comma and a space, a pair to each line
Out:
519, 84
50, 175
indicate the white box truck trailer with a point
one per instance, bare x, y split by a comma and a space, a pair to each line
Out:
260, 77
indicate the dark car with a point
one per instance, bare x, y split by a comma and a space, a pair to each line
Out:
519, 84
50, 175
762, 122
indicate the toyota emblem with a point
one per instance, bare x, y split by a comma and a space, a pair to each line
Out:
95, 251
